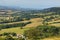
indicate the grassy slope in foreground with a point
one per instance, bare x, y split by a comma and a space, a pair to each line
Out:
16, 30
52, 38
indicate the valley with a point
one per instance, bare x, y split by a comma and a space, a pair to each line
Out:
18, 21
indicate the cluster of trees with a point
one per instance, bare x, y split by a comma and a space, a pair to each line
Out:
2, 26
11, 36
15, 19
41, 32
8, 36
8, 33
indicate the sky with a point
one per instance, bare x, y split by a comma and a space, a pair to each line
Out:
36, 4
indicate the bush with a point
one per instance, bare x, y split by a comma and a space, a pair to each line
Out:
0, 34
13, 34
5, 34
9, 38
41, 32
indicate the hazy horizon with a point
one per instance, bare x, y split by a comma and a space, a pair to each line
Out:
35, 4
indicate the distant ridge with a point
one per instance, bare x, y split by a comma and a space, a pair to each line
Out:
52, 9
14, 8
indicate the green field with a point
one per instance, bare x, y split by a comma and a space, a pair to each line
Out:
17, 30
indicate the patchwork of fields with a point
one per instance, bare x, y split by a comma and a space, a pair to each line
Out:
18, 21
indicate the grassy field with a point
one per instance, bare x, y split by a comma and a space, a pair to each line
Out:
52, 38
16, 30
35, 22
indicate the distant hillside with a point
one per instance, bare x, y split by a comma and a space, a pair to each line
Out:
7, 8
31, 11
47, 10
52, 9
14, 8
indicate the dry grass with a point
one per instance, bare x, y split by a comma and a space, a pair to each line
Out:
52, 38
57, 24
35, 22
16, 30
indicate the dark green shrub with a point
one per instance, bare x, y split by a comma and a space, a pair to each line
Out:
8, 38
5, 34
13, 34
41, 32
